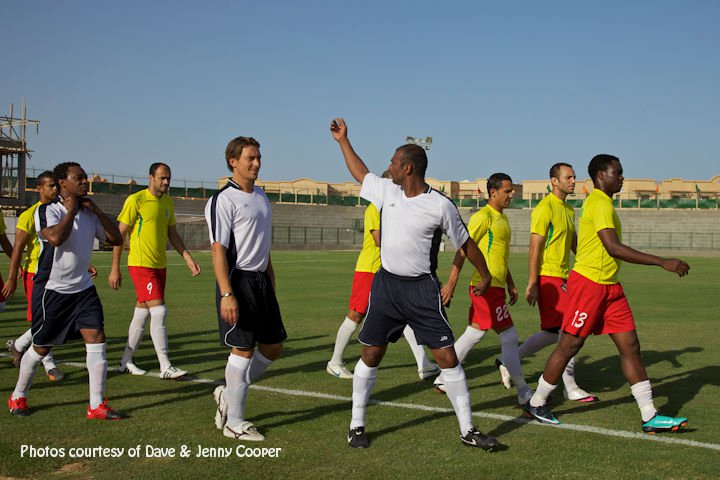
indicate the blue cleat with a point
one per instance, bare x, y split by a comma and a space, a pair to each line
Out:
661, 423
542, 414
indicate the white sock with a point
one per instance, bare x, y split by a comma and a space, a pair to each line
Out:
258, 364
458, 394
536, 342
642, 391
135, 334
364, 378
344, 334
159, 335
544, 389
97, 371
236, 387
467, 340
28, 367
48, 362
568, 376
511, 359
23, 341
417, 350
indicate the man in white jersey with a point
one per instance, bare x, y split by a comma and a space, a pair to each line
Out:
239, 222
64, 298
405, 291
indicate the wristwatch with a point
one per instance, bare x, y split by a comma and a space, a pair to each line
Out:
226, 294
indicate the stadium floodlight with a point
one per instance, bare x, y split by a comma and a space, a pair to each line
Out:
424, 142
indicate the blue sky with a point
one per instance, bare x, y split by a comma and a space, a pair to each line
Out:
500, 86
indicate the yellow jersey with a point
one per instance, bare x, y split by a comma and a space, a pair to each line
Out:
491, 231
592, 260
369, 258
554, 219
26, 223
148, 218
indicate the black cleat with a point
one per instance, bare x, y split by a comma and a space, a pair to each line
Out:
475, 438
357, 438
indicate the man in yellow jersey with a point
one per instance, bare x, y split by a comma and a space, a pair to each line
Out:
26, 240
490, 229
596, 303
552, 236
149, 217
368, 263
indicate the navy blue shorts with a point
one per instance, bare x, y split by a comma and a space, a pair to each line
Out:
259, 319
58, 317
397, 301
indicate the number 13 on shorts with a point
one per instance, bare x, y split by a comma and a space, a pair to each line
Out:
578, 319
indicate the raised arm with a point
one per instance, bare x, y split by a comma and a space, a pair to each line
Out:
612, 244
115, 276
177, 242
56, 234
357, 167
112, 233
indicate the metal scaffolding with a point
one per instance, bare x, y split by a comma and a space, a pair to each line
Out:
13, 156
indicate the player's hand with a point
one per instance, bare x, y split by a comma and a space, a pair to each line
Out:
532, 293
229, 309
89, 205
193, 266
115, 279
338, 128
446, 294
675, 265
92, 271
513, 293
481, 287
71, 203
8, 289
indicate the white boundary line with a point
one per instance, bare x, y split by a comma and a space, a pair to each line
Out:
668, 439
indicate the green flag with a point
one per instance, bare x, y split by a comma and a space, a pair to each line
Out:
697, 189
549, 189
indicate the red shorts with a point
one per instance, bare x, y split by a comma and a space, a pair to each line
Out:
362, 281
489, 310
551, 301
149, 283
594, 308
27, 282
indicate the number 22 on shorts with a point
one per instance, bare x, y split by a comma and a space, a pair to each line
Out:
501, 313
579, 319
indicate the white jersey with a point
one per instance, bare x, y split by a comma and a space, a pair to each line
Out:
240, 222
64, 268
411, 227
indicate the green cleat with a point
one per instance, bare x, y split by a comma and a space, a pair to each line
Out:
661, 423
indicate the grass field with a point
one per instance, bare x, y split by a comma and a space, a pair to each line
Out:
305, 412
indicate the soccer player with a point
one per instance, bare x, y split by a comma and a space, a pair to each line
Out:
368, 263
239, 222
64, 298
26, 240
149, 217
552, 236
596, 303
490, 229
406, 291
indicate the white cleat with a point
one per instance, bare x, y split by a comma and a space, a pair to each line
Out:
432, 371
505, 377
580, 395
222, 408
132, 369
245, 431
339, 371
172, 373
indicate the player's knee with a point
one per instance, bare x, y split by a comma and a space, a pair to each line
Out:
271, 351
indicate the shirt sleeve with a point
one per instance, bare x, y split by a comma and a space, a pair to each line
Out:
218, 215
603, 217
99, 229
373, 189
479, 226
453, 225
46, 216
540, 220
372, 218
129, 213
26, 223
